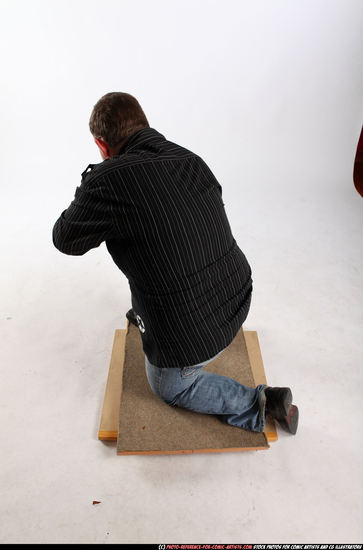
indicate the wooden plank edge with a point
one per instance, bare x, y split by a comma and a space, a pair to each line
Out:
113, 389
193, 451
259, 376
105, 435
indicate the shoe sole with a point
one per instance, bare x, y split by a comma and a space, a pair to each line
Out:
132, 319
291, 420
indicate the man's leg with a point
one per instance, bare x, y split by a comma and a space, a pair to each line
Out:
209, 393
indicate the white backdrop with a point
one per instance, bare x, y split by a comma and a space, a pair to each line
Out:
270, 94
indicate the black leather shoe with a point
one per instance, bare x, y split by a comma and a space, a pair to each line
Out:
279, 406
131, 316
278, 402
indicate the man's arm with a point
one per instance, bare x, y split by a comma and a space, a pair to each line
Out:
86, 223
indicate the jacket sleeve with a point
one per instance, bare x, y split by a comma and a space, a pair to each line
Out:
86, 223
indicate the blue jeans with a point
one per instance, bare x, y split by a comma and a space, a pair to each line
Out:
209, 393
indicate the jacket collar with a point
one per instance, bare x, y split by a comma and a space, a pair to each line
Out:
139, 137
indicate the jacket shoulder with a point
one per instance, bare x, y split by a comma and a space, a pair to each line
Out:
94, 171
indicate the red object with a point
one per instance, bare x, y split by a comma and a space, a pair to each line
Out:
96, 502
358, 166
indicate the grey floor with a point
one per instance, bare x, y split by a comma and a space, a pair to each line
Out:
57, 324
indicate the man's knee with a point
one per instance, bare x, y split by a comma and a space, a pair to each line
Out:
168, 399
172, 402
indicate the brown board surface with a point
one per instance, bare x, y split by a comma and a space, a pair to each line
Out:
108, 430
147, 425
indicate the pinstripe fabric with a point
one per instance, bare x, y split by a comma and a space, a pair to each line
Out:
159, 208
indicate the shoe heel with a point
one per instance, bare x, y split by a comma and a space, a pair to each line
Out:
291, 420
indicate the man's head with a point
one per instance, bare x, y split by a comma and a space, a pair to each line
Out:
115, 117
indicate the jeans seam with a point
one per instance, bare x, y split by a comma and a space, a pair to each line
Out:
160, 380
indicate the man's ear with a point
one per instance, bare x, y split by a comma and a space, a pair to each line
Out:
104, 148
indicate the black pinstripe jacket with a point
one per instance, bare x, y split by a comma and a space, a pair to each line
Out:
160, 210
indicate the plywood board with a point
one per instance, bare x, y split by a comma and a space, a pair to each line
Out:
108, 430
147, 425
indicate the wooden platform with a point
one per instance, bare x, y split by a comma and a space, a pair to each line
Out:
143, 424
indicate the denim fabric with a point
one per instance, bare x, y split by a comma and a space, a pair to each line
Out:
209, 393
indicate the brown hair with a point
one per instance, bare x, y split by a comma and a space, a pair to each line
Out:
115, 117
